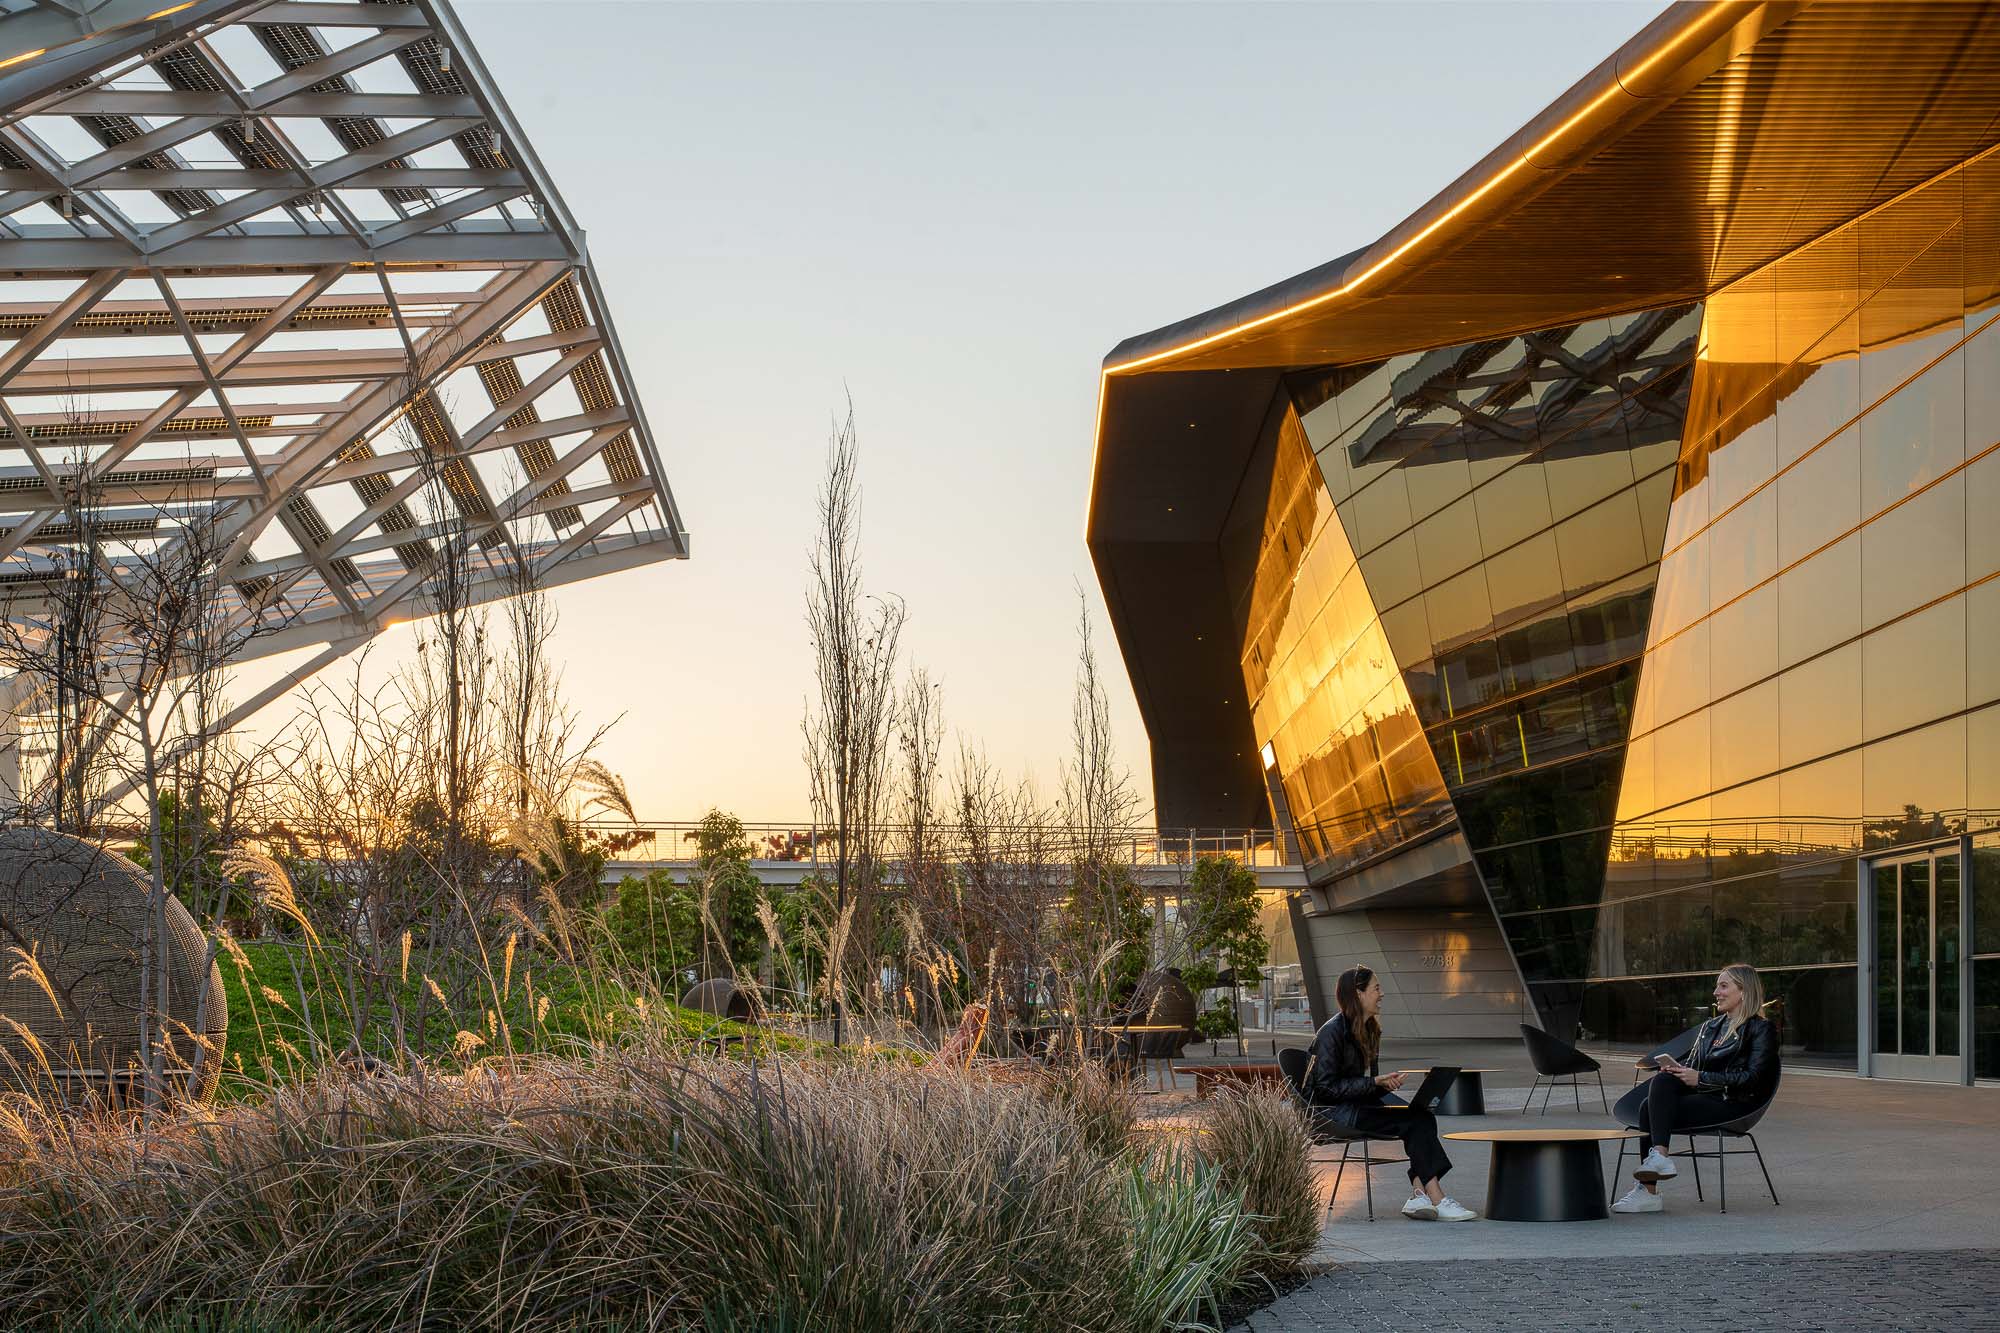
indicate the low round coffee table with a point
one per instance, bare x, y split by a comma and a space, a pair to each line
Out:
1465, 1096
1545, 1175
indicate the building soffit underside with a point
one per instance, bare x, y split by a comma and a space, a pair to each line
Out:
291, 273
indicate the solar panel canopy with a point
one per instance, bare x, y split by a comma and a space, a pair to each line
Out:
289, 275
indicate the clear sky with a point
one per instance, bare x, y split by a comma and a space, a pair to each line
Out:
952, 211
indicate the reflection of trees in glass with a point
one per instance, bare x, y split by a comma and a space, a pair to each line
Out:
1913, 825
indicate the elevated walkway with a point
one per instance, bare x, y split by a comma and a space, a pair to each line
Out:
785, 855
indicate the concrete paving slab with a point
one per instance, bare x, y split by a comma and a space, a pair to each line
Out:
1859, 1164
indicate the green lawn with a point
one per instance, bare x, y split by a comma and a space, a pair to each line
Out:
290, 1011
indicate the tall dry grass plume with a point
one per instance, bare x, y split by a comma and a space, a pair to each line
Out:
637, 1188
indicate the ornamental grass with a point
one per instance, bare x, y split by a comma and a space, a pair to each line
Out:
637, 1188
1259, 1142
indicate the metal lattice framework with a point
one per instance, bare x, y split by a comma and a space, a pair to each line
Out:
291, 270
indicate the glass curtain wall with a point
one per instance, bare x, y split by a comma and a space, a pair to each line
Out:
1325, 694
1822, 679
1506, 502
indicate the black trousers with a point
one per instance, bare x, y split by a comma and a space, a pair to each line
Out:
1672, 1105
1418, 1131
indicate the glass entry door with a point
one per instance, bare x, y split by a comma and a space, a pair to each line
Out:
1918, 961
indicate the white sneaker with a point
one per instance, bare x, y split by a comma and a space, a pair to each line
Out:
1451, 1210
1420, 1208
1640, 1200
1657, 1166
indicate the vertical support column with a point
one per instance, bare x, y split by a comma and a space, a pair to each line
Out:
14, 692
1316, 999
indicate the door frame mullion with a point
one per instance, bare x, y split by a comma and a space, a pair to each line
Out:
1868, 954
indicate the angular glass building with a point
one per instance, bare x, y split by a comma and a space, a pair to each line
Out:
1599, 576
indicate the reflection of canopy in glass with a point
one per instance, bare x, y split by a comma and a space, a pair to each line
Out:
1510, 393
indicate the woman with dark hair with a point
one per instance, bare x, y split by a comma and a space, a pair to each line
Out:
1734, 1062
1342, 1084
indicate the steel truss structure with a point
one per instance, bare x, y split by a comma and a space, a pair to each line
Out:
290, 271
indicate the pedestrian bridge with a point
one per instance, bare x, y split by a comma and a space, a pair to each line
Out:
785, 855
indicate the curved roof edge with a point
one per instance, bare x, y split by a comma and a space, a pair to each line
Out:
1683, 45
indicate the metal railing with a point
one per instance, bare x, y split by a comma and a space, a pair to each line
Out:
675, 840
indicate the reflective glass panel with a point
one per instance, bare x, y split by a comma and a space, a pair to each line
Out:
1819, 602
1913, 671
1914, 784
1819, 499
1743, 547
1948, 955
1982, 505
1888, 962
1986, 896
1914, 553
1819, 706
1743, 640
1915, 957
1915, 437
1986, 1018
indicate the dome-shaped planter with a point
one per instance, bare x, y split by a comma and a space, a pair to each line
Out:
719, 996
80, 911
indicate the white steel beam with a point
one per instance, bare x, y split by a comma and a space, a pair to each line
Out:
382, 213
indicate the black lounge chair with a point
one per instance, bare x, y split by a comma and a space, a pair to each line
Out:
1740, 1127
1293, 1062
1555, 1061
1677, 1046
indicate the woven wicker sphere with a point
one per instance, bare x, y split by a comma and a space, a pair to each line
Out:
80, 911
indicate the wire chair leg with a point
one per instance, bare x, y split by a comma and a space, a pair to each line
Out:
1600, 1092
1368, 1177
1761, 1167
1532, 1089
1576, 1089
1345, 1148
1722, 1171
1694, 1157
1617, 1170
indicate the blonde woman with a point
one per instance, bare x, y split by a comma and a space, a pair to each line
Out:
1733, 1063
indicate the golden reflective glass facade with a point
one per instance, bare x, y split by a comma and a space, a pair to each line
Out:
1822, 677
1508, 499
1324, 691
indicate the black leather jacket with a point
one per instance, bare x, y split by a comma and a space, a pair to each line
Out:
1340, 1077
1743, 1066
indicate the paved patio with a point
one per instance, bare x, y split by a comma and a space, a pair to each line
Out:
1902, 1180
1859, 1164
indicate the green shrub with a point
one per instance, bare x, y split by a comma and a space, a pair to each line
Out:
655, 925
1217, 1021
1261, 1145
